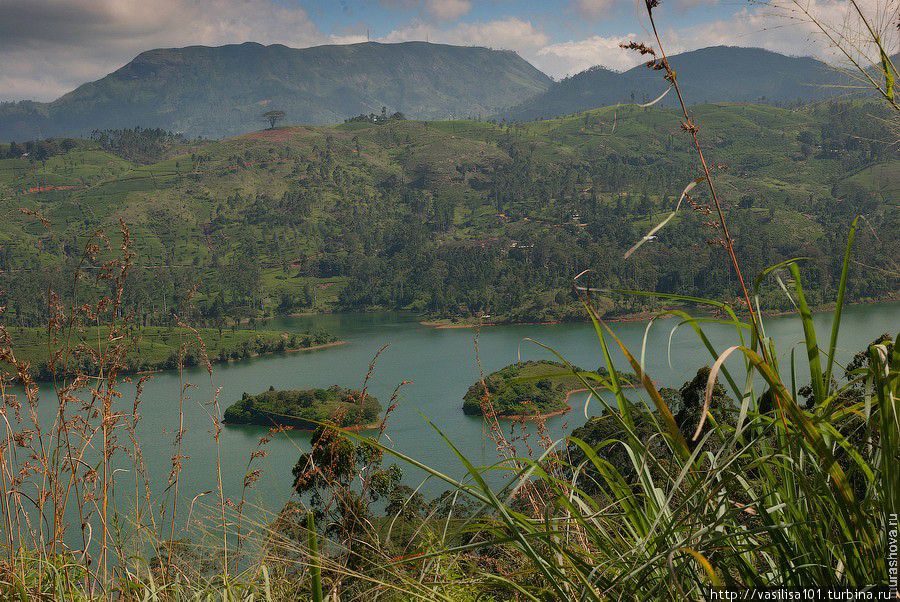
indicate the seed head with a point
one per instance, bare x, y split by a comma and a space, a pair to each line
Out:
639, 47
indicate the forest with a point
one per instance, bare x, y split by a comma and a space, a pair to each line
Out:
452, 220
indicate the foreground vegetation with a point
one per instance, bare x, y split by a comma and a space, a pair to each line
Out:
306, 408
153, 348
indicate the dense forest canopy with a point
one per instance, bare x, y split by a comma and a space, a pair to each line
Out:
141, 145
461, 218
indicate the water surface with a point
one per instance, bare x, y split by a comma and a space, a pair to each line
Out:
441, 364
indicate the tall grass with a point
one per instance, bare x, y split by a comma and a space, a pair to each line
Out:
787, 496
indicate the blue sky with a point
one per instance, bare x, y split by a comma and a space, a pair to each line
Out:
48, 47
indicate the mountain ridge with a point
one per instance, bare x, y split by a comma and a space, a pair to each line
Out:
711, 74
218, 91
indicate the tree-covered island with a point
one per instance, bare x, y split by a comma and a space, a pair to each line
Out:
530, 389
306, 409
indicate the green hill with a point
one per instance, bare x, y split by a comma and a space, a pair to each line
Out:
715, 74
457, 218
224, 90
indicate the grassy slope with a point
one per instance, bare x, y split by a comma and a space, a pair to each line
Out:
706, 74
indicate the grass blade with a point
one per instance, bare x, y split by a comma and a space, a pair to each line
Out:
809, 335
842, 288
315, 566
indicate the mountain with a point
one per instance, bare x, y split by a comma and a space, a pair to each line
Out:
715, 74
219, 91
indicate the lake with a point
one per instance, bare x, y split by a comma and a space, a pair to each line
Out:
441, 364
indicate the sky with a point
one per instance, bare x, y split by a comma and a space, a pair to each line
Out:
49, 47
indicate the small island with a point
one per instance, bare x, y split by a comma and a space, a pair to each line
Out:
305, 409
532, 389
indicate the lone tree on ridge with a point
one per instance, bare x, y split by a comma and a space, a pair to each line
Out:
273, 117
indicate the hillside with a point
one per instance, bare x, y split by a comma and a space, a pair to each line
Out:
457, 218
219, 91
715, 74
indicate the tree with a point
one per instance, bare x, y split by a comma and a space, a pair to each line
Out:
342, 478
15, 151
273, 117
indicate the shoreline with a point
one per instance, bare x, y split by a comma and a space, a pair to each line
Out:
302, 349
441, 325
217, 361
559, 412
356, 428
269, 353
544, 416
524, 417
641, 316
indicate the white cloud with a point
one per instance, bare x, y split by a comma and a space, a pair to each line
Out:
567, 58
48, 47
351, 38
776, 25
511, 34
556, 59
781, 26
415, 31
447, 10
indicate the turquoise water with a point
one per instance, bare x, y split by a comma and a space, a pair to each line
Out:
441, 365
